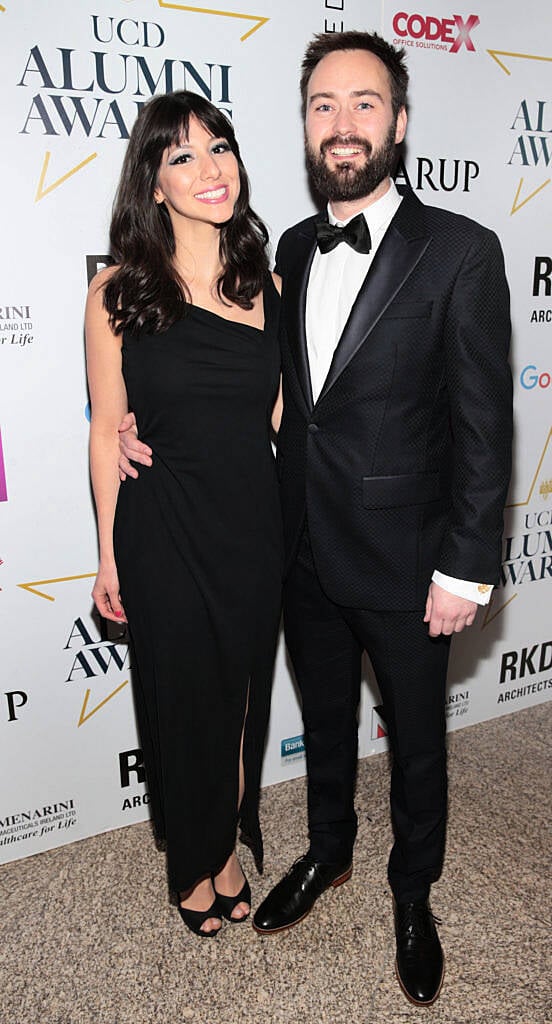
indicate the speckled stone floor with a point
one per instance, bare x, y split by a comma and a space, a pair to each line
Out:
88, 937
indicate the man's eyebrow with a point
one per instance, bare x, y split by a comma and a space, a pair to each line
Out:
356, 93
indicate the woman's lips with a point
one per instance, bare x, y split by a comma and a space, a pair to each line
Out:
213, 195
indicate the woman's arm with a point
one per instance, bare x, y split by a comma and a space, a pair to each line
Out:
108, 401
276, 417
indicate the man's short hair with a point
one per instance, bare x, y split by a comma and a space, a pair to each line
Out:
331, 42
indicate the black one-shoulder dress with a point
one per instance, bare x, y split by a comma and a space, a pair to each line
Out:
198, 546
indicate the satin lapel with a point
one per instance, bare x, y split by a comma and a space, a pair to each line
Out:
295, 308
395, 259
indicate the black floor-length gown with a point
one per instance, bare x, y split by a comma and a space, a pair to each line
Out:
198, 547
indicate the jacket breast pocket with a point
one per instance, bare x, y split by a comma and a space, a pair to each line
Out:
408, 310
399, 491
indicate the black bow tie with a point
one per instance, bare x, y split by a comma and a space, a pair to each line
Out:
355, 233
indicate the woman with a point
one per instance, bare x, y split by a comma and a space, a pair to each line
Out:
183, 330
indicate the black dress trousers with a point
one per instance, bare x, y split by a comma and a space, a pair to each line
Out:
325, 642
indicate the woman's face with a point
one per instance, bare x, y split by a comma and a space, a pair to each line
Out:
198, 179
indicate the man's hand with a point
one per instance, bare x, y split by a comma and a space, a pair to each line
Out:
131, 448
446, 613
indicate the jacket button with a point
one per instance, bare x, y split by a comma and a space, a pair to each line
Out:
313, 427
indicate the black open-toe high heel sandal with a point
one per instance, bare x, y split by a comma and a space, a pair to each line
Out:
194, 919
227, 904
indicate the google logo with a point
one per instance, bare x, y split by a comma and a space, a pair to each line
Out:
530, 378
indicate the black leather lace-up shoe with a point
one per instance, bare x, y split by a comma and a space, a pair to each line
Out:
295, 895
420, 962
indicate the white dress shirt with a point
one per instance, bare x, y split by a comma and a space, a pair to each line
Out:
334, 282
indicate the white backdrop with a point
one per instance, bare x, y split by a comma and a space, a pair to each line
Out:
73, 75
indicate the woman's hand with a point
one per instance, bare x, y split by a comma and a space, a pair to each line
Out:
106, 594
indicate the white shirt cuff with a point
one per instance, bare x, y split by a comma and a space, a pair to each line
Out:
479, 592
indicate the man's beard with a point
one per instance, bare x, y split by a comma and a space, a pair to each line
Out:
346, 182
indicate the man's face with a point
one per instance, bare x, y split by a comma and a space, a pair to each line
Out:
350, 129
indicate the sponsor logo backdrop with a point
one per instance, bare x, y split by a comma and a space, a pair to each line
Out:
73, 79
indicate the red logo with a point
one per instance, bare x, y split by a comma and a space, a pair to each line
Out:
3, 487
435, 30
379, 726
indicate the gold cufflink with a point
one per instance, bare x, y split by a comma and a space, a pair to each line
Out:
483, 588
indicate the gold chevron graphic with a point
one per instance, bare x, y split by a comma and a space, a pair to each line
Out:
31, 587
517, 206
83, 716
517, 504
495, 54
488, 617
522, 504
258, 20
41, 191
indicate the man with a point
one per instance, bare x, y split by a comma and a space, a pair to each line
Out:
394, 458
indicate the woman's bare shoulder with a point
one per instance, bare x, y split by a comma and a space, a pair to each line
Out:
95, 297
100, 279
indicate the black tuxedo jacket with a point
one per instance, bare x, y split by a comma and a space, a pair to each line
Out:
402, 465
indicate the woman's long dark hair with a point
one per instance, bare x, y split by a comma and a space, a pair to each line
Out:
146, 290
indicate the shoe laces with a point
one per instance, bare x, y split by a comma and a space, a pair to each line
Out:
417, 916
300, 862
